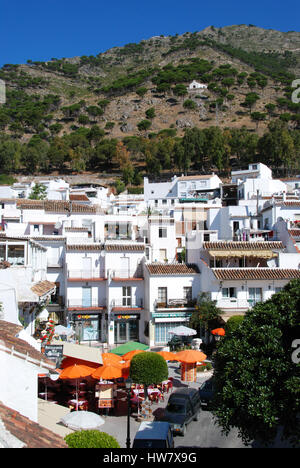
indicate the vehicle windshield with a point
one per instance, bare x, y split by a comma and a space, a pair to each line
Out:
176, 408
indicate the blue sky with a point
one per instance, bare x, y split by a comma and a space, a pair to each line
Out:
41, 30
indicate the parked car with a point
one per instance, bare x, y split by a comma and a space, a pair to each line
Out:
206, 392
184, 405
154, 434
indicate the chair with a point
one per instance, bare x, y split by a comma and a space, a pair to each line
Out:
170, 386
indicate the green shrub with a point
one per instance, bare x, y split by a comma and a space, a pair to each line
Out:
233, 322
148, 368
91, 439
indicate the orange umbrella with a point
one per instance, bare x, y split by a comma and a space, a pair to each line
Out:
218, 331
70, 361
167, 355
108, 372
128, 356
109, 358
190, 356
76, 371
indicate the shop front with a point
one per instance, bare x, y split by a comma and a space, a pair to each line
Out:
162, 323
87, 326
126, 328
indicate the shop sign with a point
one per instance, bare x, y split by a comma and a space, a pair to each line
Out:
170, 315
126, 317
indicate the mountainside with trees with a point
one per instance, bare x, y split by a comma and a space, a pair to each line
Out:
130, 111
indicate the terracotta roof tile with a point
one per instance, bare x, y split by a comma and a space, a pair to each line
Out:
43, 287
83, 247
172, 269
57, 206
79, 197
228, 245
125, 247
294, 232
29, 432
8, 332
232, 274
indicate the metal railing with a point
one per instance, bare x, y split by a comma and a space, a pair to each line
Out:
127, 302
85, 274
128, 273
174, 303
100, 302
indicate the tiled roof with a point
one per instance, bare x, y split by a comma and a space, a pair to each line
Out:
246, 245
57, 206
172, 269
8, 332
255, 273
79, 197
83, 247
43, 287
125, 247
196, 177
29, 432
294, 232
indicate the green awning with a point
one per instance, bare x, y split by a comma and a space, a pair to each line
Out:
130, 346
191, 200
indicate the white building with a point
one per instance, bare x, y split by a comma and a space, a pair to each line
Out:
170, 294
195, 85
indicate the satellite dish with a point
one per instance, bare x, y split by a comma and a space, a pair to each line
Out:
58, 225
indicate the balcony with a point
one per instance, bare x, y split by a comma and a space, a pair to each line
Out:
97, 274
128, 274
175, 304
54, 263
126, 303
92, 304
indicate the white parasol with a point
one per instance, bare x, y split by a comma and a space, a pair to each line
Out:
61, 330
183, 331
82, 420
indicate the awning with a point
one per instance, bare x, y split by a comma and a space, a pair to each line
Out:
243, 253
82, 352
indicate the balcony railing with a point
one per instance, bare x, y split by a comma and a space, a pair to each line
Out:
86, 304
87, 274
128, 273
127, 303
175, 304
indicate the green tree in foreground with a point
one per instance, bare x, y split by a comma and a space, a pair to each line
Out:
257, 372
91, 439
147, 369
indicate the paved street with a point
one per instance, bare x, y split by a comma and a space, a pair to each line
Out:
202, 434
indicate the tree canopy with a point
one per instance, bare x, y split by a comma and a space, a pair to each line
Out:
257, 380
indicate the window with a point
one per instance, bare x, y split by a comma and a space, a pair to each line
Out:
164, 202
162, 295
162, 232
229, 293
126, 292
2, 252
206, 237
15, 254
255, 295
187, 293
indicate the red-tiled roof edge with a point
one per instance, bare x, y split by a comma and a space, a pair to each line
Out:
32, 434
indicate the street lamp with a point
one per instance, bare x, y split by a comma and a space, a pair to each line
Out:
128, 383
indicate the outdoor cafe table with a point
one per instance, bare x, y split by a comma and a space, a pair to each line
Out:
78, 403
140, 392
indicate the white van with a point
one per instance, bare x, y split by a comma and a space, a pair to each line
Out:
154, 434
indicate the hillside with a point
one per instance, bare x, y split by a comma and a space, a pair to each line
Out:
142, 89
